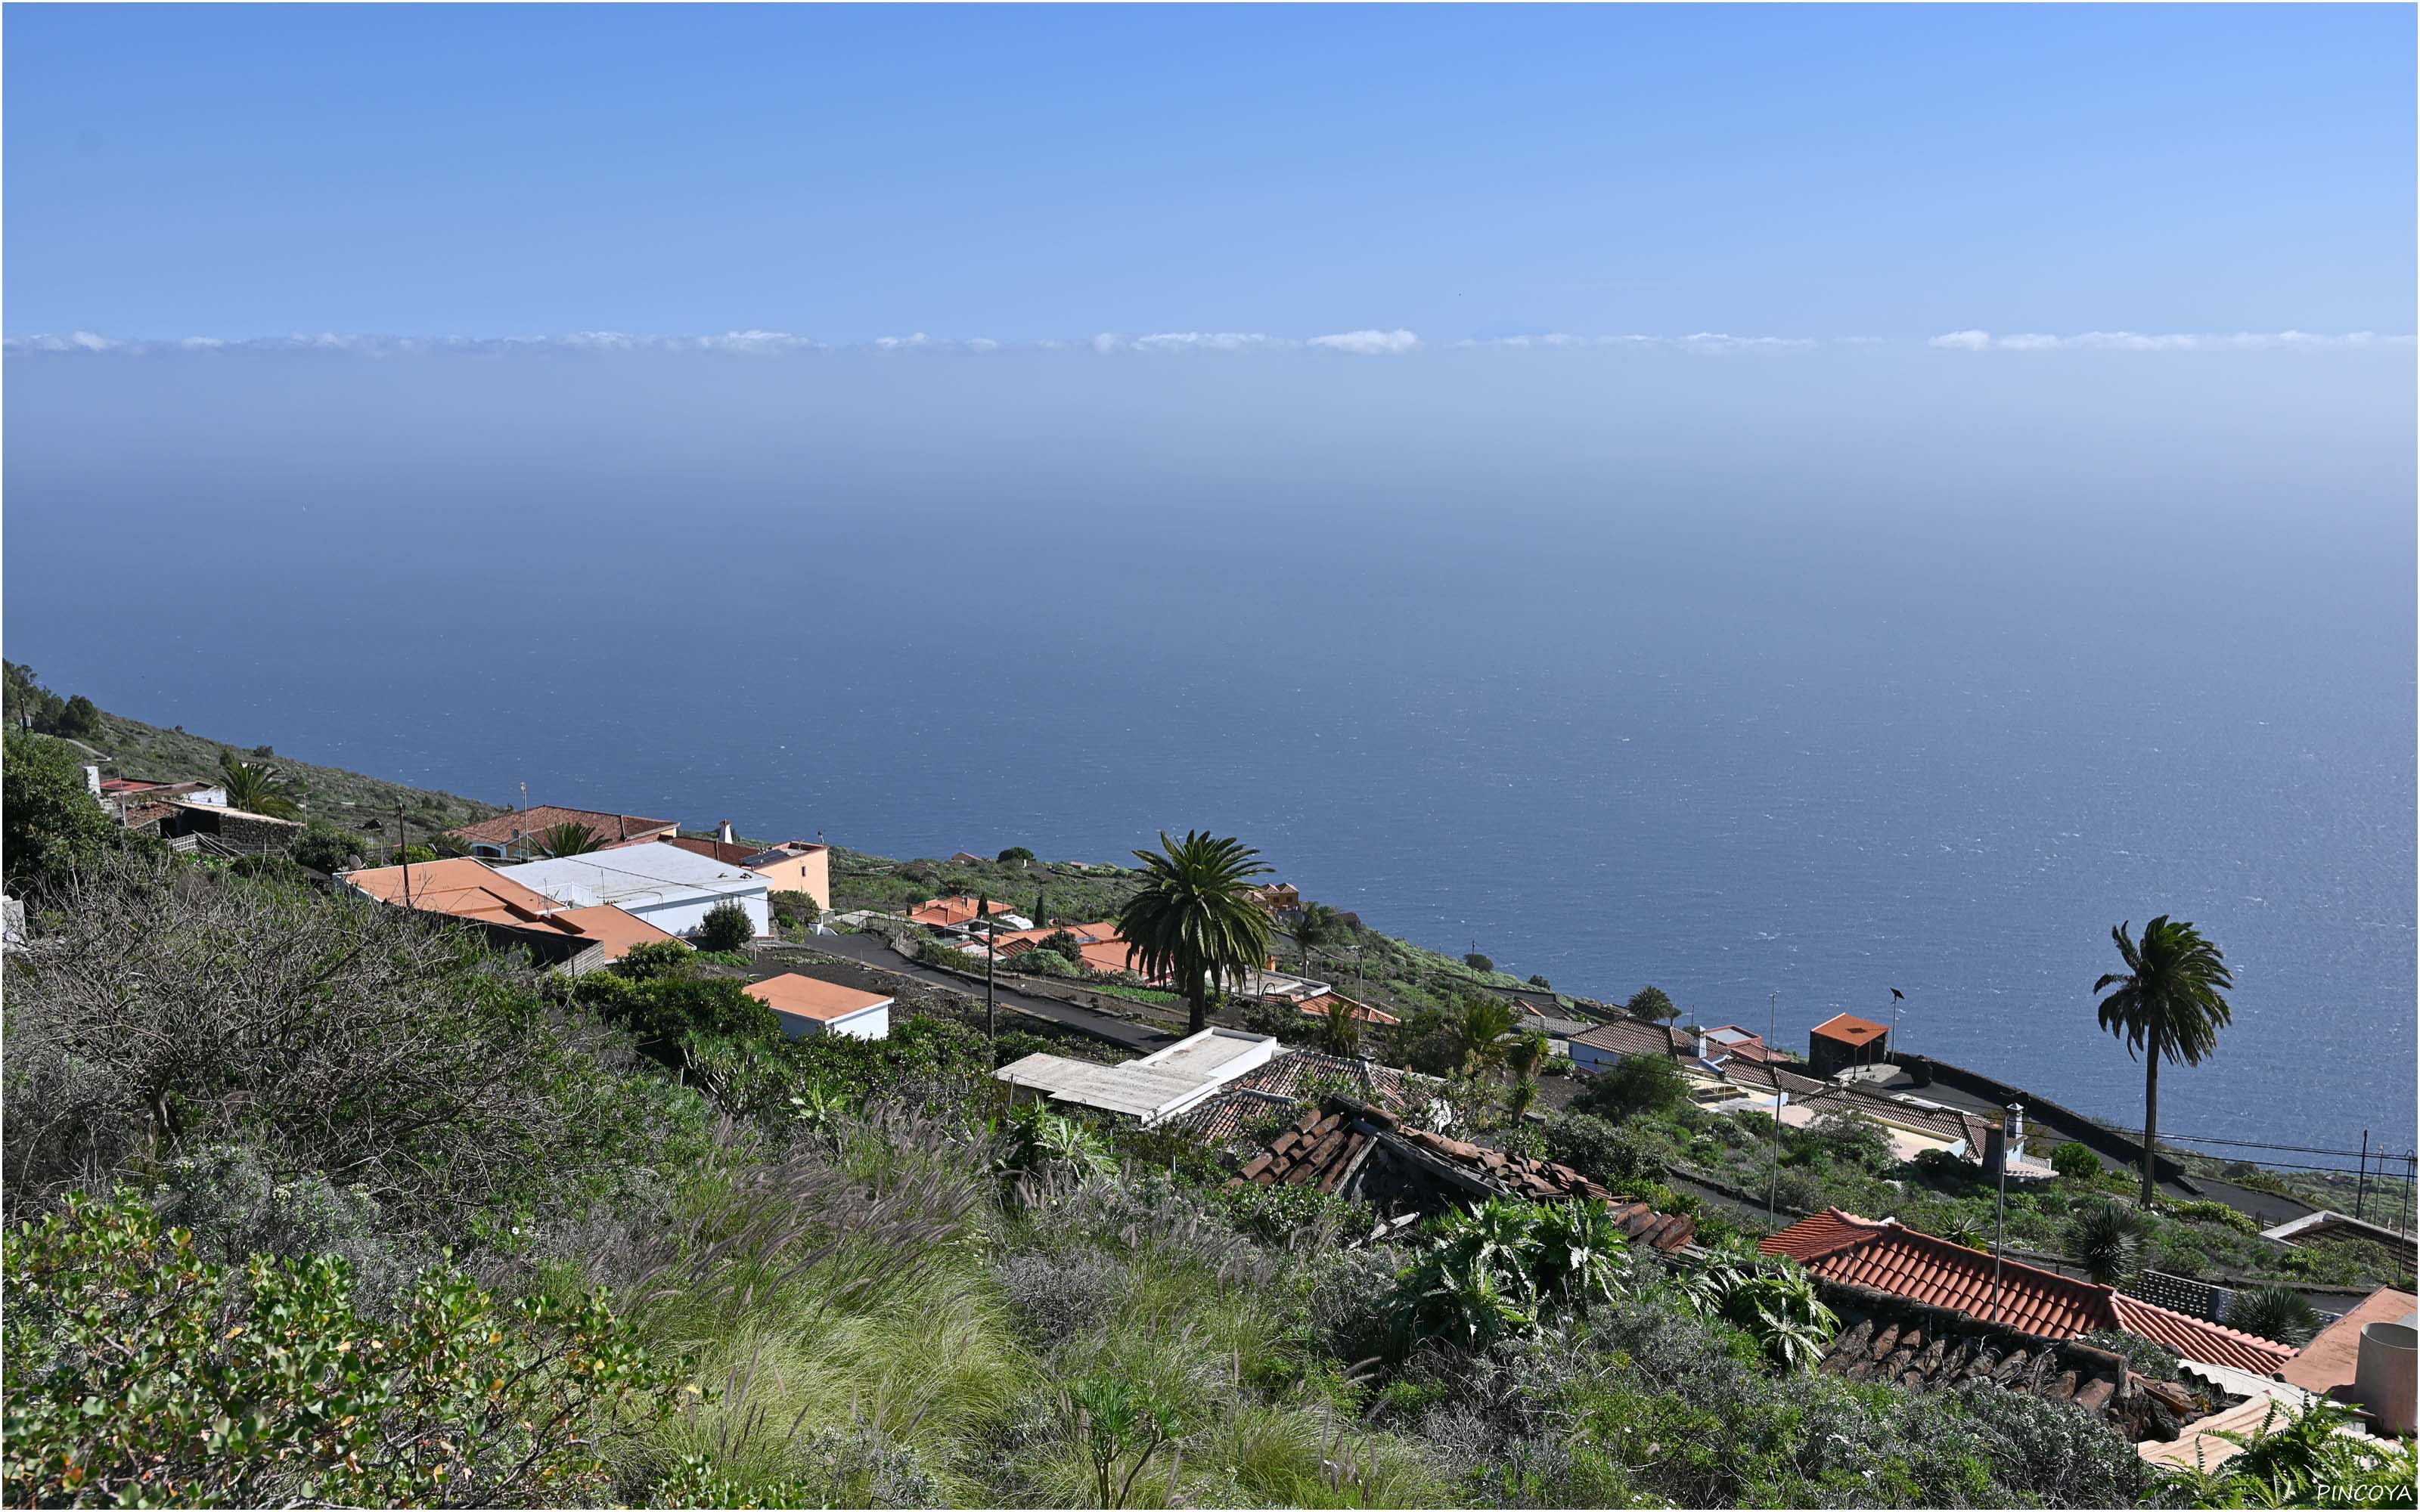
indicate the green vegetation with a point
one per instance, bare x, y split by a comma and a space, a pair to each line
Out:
2303, 1460
402, 1221
796, 910
727, 927
2169, 1004
1652, 1004
1194, 923
2277, 1313
256, 788
50, 828
569, 838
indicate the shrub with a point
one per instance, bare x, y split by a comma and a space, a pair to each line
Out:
727, 927
1619, 1158
1015, 855
50, 828
1478, 962
1852, 1139
1040, 962
2075, 1161
654, 960
796, 910
1636, 1084
2204, 1212
1287, 1216
273, 1390
326, 847
1540, 983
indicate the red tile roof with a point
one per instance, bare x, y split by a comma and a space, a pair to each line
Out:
612, 828
943, 912
1851, 1029
1885, 1255
811, 998
1318, 1008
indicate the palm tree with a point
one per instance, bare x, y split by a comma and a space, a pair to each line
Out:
1195, 920
1340, 1034
2170, 1005
256, 788
1318, 927
1478, 1028
569, 838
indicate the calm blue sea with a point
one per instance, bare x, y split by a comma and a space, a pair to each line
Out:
1740, 680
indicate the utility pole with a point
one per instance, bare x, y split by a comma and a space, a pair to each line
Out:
2361, 1191
403, 842
992, 964
1772, 1192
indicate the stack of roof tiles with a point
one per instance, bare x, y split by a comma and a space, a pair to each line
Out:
1886, 1257
1328, 1147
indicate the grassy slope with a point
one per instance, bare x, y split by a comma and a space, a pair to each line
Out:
153, 754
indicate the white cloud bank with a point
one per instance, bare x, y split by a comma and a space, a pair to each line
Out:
1350, 342
2135, 341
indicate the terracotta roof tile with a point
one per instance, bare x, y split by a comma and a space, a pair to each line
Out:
1851, 1029
612, 828
1886, 1257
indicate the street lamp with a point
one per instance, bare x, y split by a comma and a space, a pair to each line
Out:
2000, 1239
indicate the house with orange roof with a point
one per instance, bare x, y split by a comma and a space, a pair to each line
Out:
1845, 1040
1325, 1003
1884, 1256
470, 889
809, 1006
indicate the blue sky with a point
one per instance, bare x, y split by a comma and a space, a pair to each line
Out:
1027, 172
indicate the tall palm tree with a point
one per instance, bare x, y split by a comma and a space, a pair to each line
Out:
569, 838
1318, 927
2170, 1005
256, 788
1195, 920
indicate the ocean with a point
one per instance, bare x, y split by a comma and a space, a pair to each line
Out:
1770, 679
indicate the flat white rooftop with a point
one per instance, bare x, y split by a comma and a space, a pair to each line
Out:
652, 872
1213, 1053
1133, 1090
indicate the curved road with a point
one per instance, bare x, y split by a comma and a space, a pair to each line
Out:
873, 950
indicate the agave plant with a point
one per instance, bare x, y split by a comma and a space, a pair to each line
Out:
1042, 1144
2106, 1239
2301, 1459
1584, 1257
2278, 1313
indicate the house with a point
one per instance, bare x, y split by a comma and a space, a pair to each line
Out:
2324, 1226
474, 890
1325, 1003
2366, 1358
1150, 1089
513, 836
793, 866
214, 829
1886, 1256
948, 913
1351, 1150
1100, 946
809, 1006
1845, 1040
670, 888
120, 794
1730, 1040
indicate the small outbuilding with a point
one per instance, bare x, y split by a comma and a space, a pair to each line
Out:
1845, 1040
808, 1006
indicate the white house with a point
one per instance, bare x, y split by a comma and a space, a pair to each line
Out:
1156, 1087
671, 888
807, 1006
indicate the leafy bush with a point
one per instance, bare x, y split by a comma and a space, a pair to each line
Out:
655, 959
2075, 1161
1635, 1084
2303, 1458
141, 1372
1769, 1299
1015, 855
1039, 962
1478, 962
326, 847
50, 828
793, 909
1286, 1215
1618, 1157
727, 927
2202, 1211
1852, 1139
1504, 1268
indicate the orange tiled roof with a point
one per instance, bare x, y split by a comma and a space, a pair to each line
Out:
1885, 1255
1851, 1029
811, 998
1318, 1008
615, 929
459, 886
612, 828
943, 912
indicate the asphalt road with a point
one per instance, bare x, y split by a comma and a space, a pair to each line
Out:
872, 950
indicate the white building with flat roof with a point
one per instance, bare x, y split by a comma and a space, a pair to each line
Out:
1156, 1087
670, 888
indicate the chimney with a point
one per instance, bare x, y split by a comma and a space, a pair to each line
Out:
92, 780
722, 833
1702, 1044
